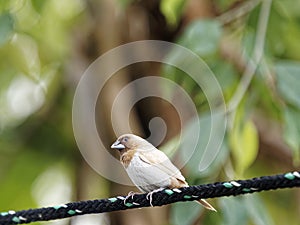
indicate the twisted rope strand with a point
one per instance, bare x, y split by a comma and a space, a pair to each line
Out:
164, 197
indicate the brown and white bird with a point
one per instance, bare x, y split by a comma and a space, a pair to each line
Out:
149, 168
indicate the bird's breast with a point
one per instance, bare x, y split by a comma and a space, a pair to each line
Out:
127, 157
145, 176
136, 162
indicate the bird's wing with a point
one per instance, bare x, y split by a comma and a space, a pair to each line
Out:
159, 159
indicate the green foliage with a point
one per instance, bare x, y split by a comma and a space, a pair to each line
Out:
202, 37
286, 22
240, 210
35, 115
287, 74
273, 93
244, 145
185, 213
205, 152
172, 10
292, 131
6, 27
38, 5
233, 211
34, 43
257, 211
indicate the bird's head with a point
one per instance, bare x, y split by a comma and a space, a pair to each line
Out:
131, 142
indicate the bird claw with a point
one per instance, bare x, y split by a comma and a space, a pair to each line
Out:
149, 195
129, 195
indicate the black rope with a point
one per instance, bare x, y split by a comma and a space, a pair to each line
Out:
160, 198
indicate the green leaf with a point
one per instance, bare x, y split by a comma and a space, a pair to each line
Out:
226, 75
6, 27
288, 8
288, 82
202, 37
207, 152
185, 213
292, 131
256, 210
38, 5
244, 145
172, 10
234, 211
24, 54
241, 210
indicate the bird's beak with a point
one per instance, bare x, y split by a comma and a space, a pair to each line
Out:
117, 145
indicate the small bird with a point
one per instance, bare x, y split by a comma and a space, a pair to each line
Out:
149, 168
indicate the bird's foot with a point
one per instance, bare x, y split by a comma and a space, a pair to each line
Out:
129, 195
149, 195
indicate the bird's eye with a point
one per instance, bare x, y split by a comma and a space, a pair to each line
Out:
125, 139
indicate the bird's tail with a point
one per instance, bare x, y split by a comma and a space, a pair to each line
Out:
206, 204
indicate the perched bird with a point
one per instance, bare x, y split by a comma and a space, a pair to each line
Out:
149, 168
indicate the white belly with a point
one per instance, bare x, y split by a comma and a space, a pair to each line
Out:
146, 177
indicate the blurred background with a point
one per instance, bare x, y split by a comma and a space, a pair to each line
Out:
251, 46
